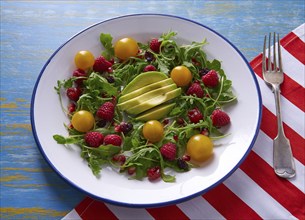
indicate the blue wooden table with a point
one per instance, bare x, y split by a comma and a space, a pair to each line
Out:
32, 30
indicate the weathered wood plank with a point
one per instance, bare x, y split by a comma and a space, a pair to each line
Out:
32, 30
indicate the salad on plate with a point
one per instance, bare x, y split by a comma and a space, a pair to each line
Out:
147, 109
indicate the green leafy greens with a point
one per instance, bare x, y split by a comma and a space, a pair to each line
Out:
139, 153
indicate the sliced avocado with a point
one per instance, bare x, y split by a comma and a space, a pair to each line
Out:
145, 89
154, 102
156, 113
146, 96
144, 79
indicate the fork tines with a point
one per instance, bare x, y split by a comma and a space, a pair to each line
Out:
276, 46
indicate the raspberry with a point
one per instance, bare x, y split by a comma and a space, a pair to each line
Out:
113, 139
79, 73
210, 79
153, 173
195, 115
220, 118
106, 111
168, 151
94, 138
74, 93
195, 89
154, 45
101, 64
149, 68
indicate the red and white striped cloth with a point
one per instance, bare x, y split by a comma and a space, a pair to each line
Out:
253, 191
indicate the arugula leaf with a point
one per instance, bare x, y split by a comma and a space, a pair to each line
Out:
214, 65
67, 140
99, 84
95, 164
105, 151
167, 178
64, 84
95, 87
167, 36
106, 40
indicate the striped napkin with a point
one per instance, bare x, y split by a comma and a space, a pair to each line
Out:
253, 191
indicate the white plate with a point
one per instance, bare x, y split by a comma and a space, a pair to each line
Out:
47, 117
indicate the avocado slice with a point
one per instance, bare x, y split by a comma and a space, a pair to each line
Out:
146, 96
154, 102
145, 89
156, 113
144, 79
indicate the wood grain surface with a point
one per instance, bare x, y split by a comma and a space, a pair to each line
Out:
32, 30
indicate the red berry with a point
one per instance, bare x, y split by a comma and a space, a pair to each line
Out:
195, 115
94, 138
131, 170
166, 121
195, 62
149, 68
176, 138
210, 79
168, 151
79, 73
74, 93
121, 158
117, 128
101, 64
195, 89
106, 111
205, 131
153, 173
113, 100
154, 45
180, 121
186, 157
71, 107
220, 118
113, 139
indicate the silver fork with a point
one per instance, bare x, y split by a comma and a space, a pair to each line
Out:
283, 162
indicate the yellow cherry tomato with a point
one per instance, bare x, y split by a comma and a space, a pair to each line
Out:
181, 75
199, 147
84, 59
83, 121
126, 48
153, 131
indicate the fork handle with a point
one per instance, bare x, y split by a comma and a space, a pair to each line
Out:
277, 91
283, 161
